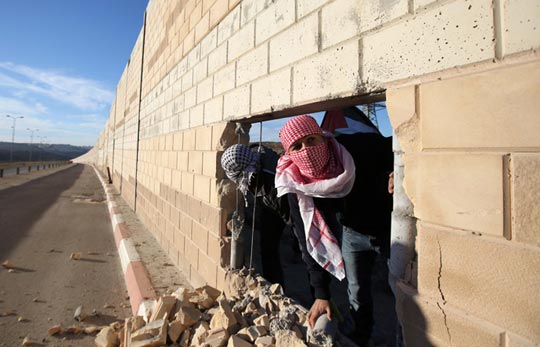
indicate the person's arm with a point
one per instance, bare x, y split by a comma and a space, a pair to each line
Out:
318, 277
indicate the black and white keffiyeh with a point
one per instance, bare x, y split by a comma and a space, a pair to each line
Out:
240, 165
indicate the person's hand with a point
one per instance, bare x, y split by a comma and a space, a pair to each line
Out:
319, 308
391, 183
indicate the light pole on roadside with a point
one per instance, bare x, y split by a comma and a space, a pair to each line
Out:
12, 134
31, 141
41, 138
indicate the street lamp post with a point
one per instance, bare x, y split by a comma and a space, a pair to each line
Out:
12, 134
41, 146
31, 141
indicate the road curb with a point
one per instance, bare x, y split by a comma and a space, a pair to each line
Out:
141, 292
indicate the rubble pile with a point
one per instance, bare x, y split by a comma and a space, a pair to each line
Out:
250, 312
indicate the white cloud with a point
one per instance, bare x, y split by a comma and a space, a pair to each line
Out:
16, 107
83, 93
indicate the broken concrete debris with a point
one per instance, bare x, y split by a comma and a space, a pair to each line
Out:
75, 256
8, 265
249, 312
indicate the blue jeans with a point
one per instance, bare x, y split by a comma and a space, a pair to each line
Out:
359, 258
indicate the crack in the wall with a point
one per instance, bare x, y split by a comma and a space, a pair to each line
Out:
442, 294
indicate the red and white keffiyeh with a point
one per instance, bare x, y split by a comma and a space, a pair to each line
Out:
321, 244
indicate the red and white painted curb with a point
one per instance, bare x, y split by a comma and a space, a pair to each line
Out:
141, 293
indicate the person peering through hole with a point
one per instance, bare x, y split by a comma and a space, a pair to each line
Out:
338, 193
253, 171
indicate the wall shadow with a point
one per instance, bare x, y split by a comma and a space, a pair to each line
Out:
22, 206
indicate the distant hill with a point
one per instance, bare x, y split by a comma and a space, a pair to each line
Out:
45, 152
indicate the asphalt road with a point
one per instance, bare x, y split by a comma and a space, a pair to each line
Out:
42, 222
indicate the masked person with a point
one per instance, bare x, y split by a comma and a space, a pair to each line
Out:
321, 179
254, 173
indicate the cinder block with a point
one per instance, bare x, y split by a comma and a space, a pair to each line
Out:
202, 188
330, 74
190, 98
213, 110
271, 92
203, 27
454, 34
525, 175
214, 248
209, 43
241, 42
207, 269
236, 103
207, 4
218, 11
205, 89
252, 65
187, 183
274, 19
188, 43
305, 7
203, 140
229, 25
192, 254
344, 19
182, 162
196, 116
199, 236
463, 191
467, 112
187, 81
426, 324
210, 164
179, 242
178, 141
183, 120
521, 24
217, 58
401, 105
250, 8
464, 271
176, 179
224, 79
195, 162
186, 224
303, 36
514, 340
195, 15
200, 71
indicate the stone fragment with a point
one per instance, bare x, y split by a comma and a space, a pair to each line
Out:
255, 332
188, 316
28, 342
235, 341
216, 338
79, 315
243, 334
75, 256
287, 338
151, 335
182, 295
7, 313
205, 297
262, 320
176, 328
21, 319
73, 330
163, 307
265, 341
234, 284
8, 265
276, 289
184, 339
55, 329
91, 330
108, 306
12, 271
107, 337
200, 332
224, 318
136, 323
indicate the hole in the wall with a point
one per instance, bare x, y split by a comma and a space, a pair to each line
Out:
296, 281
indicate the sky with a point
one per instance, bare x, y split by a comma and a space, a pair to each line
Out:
270, 129
60, 62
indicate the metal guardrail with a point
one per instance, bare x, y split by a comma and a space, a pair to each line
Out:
17, 166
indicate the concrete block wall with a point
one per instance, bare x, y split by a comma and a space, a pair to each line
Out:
461, 83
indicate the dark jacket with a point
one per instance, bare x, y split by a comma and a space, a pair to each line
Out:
366, 209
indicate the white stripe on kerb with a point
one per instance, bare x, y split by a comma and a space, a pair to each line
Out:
116, 219
128, 253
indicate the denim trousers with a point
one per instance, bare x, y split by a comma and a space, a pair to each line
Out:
359, 258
